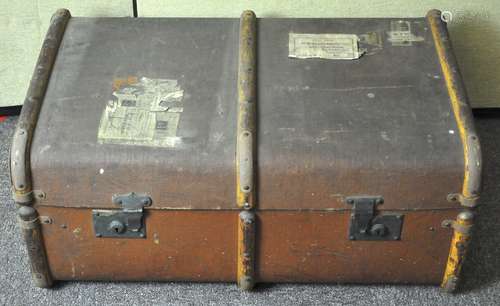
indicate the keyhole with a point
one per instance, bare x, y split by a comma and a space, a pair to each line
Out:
378, 230
117, 227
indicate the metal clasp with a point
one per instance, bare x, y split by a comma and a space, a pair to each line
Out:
124, 223
366, 224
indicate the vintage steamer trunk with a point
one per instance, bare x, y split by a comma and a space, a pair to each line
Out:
251, 150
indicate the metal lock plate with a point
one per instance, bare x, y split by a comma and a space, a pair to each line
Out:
367, 225
124, 223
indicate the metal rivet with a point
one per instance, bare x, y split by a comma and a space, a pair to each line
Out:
446, 223
465, 215
45, 220
40, 195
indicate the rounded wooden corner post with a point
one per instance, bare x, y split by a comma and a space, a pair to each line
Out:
462, 227
245, 150
469, 195
29, 223
20, 170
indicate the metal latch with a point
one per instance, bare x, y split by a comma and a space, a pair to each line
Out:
124, 223
367, 225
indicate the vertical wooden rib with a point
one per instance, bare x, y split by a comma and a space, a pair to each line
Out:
21, 146
246, 138
21, 143
246, 250
469, 195
246, 134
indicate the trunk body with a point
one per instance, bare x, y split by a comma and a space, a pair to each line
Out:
154, 135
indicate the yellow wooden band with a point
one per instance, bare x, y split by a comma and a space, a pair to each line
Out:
454, 99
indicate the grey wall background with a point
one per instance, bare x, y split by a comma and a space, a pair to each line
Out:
475, 30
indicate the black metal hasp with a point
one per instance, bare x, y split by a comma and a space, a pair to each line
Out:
366, 224
124, 223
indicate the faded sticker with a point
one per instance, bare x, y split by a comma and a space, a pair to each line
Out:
142, 112
401, 34
370, 43
328, 46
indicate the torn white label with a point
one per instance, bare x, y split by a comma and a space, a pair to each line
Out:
327, 46
143, 112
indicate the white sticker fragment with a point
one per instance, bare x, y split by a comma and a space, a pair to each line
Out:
327, 46
401, 34
145, 112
